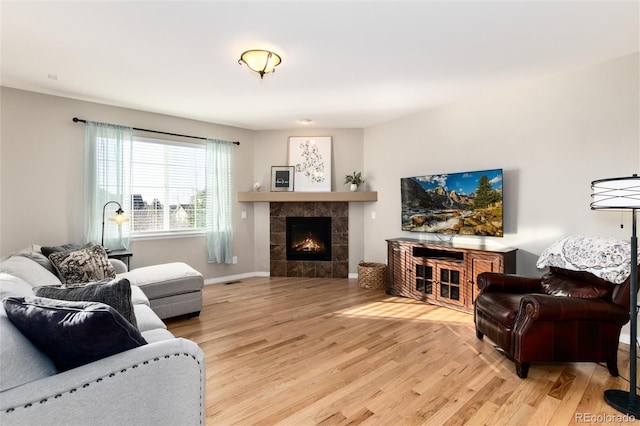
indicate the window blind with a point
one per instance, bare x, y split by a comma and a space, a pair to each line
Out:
167, 187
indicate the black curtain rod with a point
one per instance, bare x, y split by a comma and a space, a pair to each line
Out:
79, 120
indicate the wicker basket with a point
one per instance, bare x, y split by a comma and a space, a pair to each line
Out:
372, 275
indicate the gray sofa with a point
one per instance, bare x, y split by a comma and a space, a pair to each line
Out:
161, 382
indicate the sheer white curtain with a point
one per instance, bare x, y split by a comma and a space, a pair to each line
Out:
219, 179
107, 178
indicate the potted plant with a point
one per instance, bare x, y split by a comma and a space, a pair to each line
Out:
354, 180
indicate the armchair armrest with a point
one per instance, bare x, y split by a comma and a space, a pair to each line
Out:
545, 307
508, 283
158, 383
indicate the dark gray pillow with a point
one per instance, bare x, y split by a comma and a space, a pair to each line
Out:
64, 247
115, 293
83, 266
72, 333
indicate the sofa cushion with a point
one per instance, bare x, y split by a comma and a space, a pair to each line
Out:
10, 285
147, 319
39, 258
29, 271
83, 266
72, 333
21, 361
115, 293
138, 297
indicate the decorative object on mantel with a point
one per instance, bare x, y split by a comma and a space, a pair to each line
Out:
260, 61
354, 180
257, 186
311, 157
304, 197
282, 178
618, 194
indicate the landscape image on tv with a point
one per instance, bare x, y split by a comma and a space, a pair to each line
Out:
457, 203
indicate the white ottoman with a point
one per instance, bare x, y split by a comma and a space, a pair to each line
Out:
172, 288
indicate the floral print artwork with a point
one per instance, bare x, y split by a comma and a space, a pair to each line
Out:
313, 164
311, 159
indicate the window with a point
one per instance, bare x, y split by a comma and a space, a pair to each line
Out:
167, 187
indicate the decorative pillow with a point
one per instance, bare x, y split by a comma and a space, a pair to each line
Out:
115, 293
72, 333
83, 266
606, 258
47, 251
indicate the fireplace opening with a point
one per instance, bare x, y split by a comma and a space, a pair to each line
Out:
308, 238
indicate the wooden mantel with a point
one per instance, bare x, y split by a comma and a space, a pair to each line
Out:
283, 197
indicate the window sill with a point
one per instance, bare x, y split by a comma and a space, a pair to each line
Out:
167, 235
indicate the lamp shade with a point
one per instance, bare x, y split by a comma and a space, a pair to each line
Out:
119, 217
260, 61
616, 193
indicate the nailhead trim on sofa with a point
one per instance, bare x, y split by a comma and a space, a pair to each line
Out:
124, 370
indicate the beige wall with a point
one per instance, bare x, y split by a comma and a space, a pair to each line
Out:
552, 138
41, 178
41, 156
271, 149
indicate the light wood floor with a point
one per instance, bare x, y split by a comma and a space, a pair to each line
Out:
324, 351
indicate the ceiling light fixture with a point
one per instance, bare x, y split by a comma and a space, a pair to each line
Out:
305, 120
260, 61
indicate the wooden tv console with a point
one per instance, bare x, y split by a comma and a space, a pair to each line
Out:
443, 273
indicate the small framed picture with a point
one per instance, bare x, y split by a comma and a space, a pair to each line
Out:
282, 178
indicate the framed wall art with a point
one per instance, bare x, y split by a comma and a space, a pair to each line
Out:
311, 158
282, 178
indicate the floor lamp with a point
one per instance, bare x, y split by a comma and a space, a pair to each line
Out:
624, 193
118, 218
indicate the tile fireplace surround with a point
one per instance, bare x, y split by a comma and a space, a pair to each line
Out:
337, 267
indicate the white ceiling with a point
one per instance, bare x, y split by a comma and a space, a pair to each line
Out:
344, 64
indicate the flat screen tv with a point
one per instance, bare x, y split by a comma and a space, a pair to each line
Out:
467, 203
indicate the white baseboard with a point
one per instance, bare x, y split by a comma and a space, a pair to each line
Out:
237, 277
230, 278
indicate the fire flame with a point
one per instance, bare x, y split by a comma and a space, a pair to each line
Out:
308, 244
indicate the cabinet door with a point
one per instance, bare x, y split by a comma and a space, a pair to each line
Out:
451, 284
400, 274
479, 263
423, 282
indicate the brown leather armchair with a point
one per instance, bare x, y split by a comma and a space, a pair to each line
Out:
565, 316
